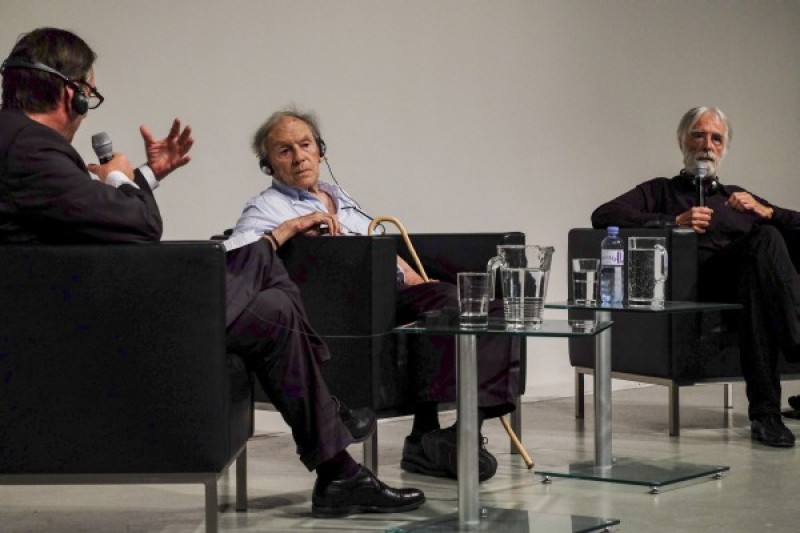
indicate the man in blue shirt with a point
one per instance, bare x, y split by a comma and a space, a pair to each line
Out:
290, 149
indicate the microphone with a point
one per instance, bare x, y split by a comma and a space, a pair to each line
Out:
700, 172
101, 144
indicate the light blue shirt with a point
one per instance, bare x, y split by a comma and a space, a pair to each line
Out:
280, 203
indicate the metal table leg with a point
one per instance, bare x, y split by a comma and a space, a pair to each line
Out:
602, 394
467, 408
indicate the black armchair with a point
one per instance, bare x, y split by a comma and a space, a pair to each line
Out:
348, 288
114, 368
673, 350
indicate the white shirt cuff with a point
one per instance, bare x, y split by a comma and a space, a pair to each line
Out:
116, 178
241, 239
147, 172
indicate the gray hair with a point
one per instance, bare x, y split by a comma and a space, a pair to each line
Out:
693, 115
261, 134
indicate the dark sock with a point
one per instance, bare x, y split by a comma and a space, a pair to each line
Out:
340, 466
426, 418
481, 417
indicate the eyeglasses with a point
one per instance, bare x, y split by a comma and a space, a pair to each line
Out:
93, 95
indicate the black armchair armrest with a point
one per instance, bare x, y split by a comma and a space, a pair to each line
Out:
113, 361
348, 288
663, 346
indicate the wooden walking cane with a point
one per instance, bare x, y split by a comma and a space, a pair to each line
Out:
421, 270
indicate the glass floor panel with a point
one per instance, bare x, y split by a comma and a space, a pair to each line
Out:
654, 474
513, 521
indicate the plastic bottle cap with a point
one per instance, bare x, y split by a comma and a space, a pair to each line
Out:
613, 230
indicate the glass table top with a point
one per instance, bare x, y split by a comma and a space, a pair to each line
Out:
652, 473
511, 521
666, 307
446, 322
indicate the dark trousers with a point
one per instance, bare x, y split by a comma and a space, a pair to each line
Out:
268, 327
432, 358
757, 272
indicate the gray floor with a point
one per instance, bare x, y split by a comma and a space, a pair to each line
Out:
758, 494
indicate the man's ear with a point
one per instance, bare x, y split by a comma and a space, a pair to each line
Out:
66, 101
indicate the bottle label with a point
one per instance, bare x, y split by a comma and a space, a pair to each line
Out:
612, 258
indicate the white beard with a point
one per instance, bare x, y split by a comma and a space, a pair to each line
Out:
708, 159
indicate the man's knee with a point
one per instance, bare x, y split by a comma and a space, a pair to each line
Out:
765, 235
767, 241
273, 307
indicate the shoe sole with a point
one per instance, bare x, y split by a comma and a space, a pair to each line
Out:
369, 433
338, 512
794, 402
757, 436
417, 468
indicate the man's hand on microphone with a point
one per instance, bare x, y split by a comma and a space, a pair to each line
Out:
697, 218
169, 153
119, 162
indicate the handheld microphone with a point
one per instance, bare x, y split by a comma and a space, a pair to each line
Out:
101, 144
700, 172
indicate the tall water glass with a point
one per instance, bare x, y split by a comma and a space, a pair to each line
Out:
647, 270
524, 291
473, 299
585, 280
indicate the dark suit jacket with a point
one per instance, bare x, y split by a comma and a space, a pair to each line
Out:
48, 196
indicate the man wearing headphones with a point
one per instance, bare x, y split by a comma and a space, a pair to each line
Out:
290, 149
48, 196
48, 88
743, 257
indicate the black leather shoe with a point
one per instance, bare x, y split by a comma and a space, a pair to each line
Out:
415, 461
362, 493
361, 422
770, 430
441, 449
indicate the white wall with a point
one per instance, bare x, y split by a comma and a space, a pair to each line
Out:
453, 115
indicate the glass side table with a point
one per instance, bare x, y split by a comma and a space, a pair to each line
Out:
470, 515
654, 474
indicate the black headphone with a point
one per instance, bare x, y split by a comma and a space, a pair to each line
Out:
79, 102
266, 167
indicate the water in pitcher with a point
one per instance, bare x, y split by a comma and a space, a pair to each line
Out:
645, 284
524, 290
523, 312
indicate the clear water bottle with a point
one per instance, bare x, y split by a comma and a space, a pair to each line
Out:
612, 261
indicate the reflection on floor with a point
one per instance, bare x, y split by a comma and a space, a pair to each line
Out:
758, 494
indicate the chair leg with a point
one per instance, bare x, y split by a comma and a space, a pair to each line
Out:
728, 395
241, 481
212, 506
517, 444
371, 452
674, 409
579, 394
